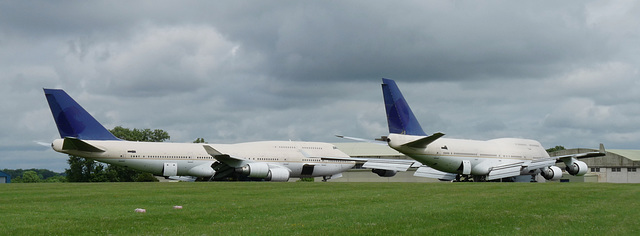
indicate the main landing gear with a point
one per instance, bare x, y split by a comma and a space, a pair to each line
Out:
325, 178
470, 178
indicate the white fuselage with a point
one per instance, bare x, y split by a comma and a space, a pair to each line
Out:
191, 159
446, 154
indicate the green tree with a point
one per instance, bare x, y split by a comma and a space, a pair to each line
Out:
86, 170
199, 140
56, 179
142, 135
556, 148
30, 177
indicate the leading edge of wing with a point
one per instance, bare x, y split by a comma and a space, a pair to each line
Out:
379, 142
372, 163
599, 153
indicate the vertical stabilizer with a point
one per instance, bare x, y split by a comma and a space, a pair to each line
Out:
73, 120
399, 116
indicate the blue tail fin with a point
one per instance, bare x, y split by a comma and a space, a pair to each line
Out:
399, 116
73, 120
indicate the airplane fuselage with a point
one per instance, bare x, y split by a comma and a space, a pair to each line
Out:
447, 154
191, 159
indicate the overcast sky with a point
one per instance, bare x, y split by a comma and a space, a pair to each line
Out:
561, 72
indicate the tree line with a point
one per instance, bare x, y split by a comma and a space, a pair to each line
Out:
34, 176
87, 170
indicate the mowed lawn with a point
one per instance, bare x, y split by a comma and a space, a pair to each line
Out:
263, 208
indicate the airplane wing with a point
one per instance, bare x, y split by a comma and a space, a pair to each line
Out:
375, 163
505, 170
514, 169
376, 141
428, 172
600, 152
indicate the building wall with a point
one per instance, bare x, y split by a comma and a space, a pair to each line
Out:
611, 168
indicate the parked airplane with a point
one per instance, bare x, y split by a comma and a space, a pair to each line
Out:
449, 159
83, 136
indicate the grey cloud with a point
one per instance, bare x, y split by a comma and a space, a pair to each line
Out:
563, 72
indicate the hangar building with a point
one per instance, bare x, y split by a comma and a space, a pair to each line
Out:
5, 178
618, 166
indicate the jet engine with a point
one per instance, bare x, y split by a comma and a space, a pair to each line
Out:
261, 170
551, 173
203, 170
255, 170
278, 175
384, 173
578, 168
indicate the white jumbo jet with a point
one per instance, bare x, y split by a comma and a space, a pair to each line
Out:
469, 160
83, 136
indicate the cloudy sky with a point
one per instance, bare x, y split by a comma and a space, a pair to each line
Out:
561, 72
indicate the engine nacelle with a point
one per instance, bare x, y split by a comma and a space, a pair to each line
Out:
278, 175
578, 168
551, 173
384, 173
203, 170
255, 170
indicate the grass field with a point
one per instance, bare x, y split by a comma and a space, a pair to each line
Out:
320, 208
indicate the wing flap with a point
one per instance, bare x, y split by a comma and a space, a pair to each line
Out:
539, 163
504, 171
428, 172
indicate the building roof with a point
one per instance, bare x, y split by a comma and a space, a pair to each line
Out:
630, 154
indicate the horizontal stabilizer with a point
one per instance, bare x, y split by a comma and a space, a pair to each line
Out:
79, 145
540, 163
224, 158
429, 172
423, 142
504, 171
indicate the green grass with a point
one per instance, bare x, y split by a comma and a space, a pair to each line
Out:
320, 208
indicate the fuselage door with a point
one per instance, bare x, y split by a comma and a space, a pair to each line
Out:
170, 169
307, 170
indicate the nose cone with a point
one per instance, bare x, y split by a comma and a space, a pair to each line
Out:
57, 145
